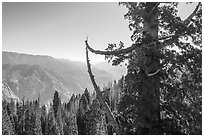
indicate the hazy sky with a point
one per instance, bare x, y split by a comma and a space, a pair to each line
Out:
60, 29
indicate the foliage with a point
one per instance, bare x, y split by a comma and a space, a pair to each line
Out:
52, 128
20, 119
72, 123
32, 119
7, 127
11, 109
86, 93
56, 103
95, 123
83, 108
180, 85
43, 120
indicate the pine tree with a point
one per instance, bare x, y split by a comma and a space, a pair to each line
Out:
71, 122
52, 127
20, 119
83, 108
70, 104
29, 120
70, 116
57, 112
56, 103
74, 103
65, 120
59, 120
95, 122
38, 129
161, 82
11, 109
32, 118
7, 128
43, 120
86, 93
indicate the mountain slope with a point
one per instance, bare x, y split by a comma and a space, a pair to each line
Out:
30, 81
7, 93
30, 76
116, 71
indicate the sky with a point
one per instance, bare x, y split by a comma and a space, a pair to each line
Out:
60, 29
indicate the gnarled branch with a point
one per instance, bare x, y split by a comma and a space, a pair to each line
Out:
134, 46
115, 52
100, 97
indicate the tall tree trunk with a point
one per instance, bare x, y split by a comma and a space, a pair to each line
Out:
149, 91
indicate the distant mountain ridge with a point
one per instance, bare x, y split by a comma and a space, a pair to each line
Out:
116, 71
31, 76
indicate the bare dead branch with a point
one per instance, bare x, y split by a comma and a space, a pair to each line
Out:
134, 46
100, 97
115, 52
152, 74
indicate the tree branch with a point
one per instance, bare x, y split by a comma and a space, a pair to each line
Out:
116, 52
154, 8
134, 46
152, 74
138, 11
187, 20
100, 97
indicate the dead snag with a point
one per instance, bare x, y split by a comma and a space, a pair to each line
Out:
100, 98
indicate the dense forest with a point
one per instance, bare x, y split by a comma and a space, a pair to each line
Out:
82, 115
161, 93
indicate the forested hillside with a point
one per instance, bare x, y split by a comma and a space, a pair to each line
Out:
81, 115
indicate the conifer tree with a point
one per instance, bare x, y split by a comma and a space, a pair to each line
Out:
65, 120
11, 109
32, 118
59, 120
160, 79
56, 103
20, 119
29, 119
70, 103
71, 122
38, 129
43, 120
52, 127
86, 93
83, 108
7, 128
70, 118
95, 122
